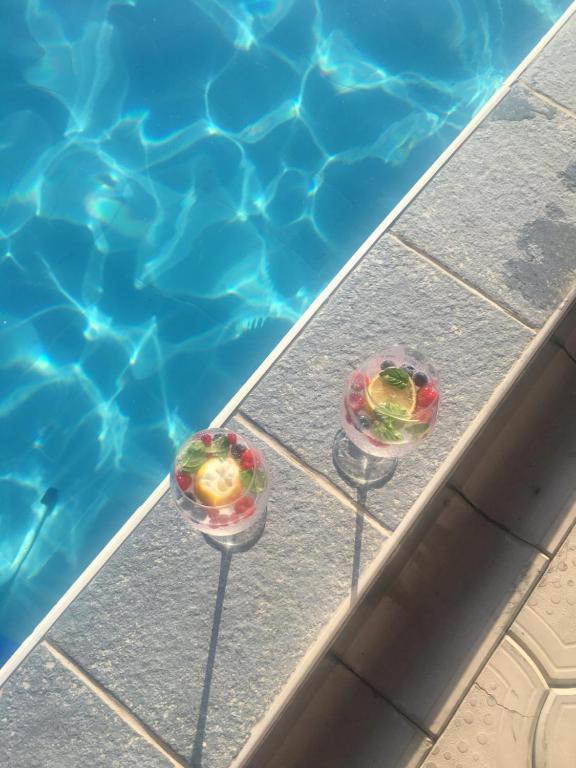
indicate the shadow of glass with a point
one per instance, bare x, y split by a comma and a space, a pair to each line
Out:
227, 546
363, 473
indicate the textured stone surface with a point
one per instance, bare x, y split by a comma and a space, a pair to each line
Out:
546, 626
494, 726
391, 296
554, 70
522, 471
502, 212
337, 722
422, 633
199, 650
49, 719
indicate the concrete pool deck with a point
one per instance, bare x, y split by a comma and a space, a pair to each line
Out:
178, 653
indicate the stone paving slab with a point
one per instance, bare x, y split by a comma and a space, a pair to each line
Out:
338, 722
420, 636
391, 296
494, 726
522, 471
554, 70
197, 644
49, 719
546, 626
555, 740
502, 212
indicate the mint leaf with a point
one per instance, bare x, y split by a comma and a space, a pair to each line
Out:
192, 463
391, 409
196, 446
219, 447
260, 481
192, 456
253, 480
396, 377
387, 430
417, 430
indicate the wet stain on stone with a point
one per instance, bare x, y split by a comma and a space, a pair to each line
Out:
516, 107
549, 265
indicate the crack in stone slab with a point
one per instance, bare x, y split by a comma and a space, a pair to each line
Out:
503, 706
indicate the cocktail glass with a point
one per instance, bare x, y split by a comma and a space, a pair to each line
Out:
220, 482
389, 406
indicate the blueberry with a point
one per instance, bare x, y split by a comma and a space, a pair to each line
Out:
237, 450
420, 379
410, 369
386, 364
364, 422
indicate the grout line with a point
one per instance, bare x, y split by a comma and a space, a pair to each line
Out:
511, 314
424, 731
120, 709
497, 523
317, 477
549, 100
561, 346
513, 638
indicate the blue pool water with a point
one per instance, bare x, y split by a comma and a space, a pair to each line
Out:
178, 180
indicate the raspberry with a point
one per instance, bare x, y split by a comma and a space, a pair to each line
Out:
426, 396
247, 459
244, 507
358, 382
232, 438
206, 439
182, 479
356, 402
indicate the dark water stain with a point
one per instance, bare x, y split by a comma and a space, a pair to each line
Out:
554, 211
516, 107
568, 177
549, 264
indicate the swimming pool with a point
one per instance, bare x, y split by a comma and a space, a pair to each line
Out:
178, 181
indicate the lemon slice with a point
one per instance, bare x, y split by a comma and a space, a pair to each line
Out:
218, 482
380, 391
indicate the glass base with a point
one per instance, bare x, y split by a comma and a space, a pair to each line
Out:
242, 541
360, 469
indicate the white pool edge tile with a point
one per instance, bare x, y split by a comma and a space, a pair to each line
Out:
323, 642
